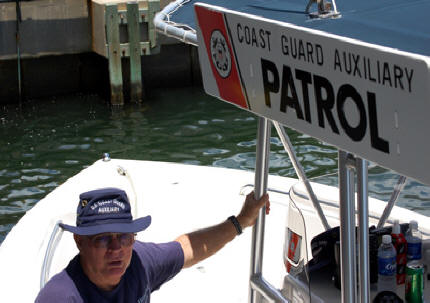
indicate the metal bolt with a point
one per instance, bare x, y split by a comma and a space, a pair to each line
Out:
106, 157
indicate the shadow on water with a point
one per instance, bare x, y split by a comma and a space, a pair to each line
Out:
46, 142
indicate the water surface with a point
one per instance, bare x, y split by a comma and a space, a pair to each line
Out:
44, 143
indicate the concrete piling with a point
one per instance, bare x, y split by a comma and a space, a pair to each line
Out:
125, 30
134, 48
114, 54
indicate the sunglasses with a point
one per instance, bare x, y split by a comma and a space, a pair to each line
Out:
105, 240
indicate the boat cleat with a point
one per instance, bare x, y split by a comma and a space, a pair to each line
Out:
325, 9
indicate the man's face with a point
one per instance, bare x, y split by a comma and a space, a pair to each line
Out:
105, 257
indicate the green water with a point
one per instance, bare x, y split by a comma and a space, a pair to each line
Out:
44, 143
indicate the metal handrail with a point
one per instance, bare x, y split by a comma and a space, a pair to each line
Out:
50, 249
300, 172
390, 204
163, 25
271, 294
261, 176
270, 189
347, 228
363, 233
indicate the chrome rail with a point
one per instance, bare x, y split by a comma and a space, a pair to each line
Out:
269, 189
347, 228
163, 24
261, 174
348, 166
300, 172
50, 249
258, 287
390, 204
270, 293
363, 233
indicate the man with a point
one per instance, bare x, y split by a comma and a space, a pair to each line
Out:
112, 267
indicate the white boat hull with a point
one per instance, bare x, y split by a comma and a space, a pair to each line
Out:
180, 198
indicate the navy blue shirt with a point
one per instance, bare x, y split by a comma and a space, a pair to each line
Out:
151, 265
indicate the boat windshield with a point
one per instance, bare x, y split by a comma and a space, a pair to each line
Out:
296, 286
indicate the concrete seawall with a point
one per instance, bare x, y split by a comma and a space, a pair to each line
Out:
56, 54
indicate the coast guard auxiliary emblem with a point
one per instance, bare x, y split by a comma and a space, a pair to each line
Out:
220, 54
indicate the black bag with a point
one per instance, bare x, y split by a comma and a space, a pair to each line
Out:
387, 297
325, 252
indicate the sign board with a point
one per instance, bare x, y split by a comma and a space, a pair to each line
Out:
366, 99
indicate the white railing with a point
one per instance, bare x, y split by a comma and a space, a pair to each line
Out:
49, 254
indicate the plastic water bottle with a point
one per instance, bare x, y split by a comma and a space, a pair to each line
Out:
387, 265
414, 238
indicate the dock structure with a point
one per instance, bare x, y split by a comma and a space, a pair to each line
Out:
52, 47
124, 29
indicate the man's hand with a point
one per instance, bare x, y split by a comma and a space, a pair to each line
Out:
250, 209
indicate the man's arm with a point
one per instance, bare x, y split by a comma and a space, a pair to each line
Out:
203, 243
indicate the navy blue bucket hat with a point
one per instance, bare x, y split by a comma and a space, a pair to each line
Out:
105, 210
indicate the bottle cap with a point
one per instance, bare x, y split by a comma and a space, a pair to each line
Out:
396, 227
386, 239
413, 224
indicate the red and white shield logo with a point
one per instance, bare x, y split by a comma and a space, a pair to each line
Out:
221, 57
